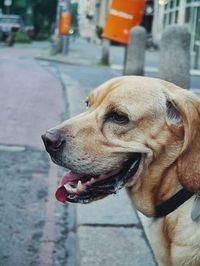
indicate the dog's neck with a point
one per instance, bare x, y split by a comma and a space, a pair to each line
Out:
152, 191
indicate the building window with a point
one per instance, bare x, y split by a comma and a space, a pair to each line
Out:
187, 15
176, 17
171, 12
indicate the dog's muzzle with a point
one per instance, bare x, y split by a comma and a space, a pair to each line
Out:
84, 187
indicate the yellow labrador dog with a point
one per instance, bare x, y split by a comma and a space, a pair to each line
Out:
143, 134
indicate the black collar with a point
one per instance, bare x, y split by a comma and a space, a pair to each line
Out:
173, 203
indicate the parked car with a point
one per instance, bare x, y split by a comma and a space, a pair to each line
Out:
9, 24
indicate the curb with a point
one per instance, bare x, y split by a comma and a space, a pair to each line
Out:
63, 59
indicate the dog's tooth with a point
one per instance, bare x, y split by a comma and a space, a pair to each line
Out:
92, 180
79, 186
68, 187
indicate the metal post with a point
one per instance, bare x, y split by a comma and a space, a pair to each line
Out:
105, 43
105, 52
65, 44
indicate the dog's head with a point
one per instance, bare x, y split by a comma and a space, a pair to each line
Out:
133, 131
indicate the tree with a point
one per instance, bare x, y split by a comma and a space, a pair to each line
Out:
44, 13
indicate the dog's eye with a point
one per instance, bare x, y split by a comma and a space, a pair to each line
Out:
117, 118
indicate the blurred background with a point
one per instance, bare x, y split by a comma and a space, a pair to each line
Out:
52, 54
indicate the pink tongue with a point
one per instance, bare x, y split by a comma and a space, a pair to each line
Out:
61, 193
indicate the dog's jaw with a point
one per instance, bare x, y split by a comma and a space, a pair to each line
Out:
80, 188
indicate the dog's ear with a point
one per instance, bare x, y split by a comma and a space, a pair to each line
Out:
184, 109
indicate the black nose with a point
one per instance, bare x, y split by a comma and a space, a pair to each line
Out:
53, 140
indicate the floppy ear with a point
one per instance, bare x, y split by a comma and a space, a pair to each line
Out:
188, 163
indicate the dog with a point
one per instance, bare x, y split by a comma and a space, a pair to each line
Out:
142, 134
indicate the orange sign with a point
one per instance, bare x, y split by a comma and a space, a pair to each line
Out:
64, 23
122, 16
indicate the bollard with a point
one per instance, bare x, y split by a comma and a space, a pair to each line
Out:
175, 56
135, 53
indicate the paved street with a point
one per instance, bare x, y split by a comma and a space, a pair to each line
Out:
31, 101
35, 229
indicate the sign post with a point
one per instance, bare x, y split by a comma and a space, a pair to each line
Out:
64, 24
64, 28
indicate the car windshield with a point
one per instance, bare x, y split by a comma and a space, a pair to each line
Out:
9, 20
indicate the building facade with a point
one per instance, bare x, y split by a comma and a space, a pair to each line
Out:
86, 18
92, 16
182, 12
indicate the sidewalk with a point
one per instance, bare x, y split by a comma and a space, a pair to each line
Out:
84, 53
109, 231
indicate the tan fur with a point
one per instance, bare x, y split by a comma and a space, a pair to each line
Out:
170, 148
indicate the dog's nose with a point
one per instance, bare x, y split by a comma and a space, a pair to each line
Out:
53, 140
